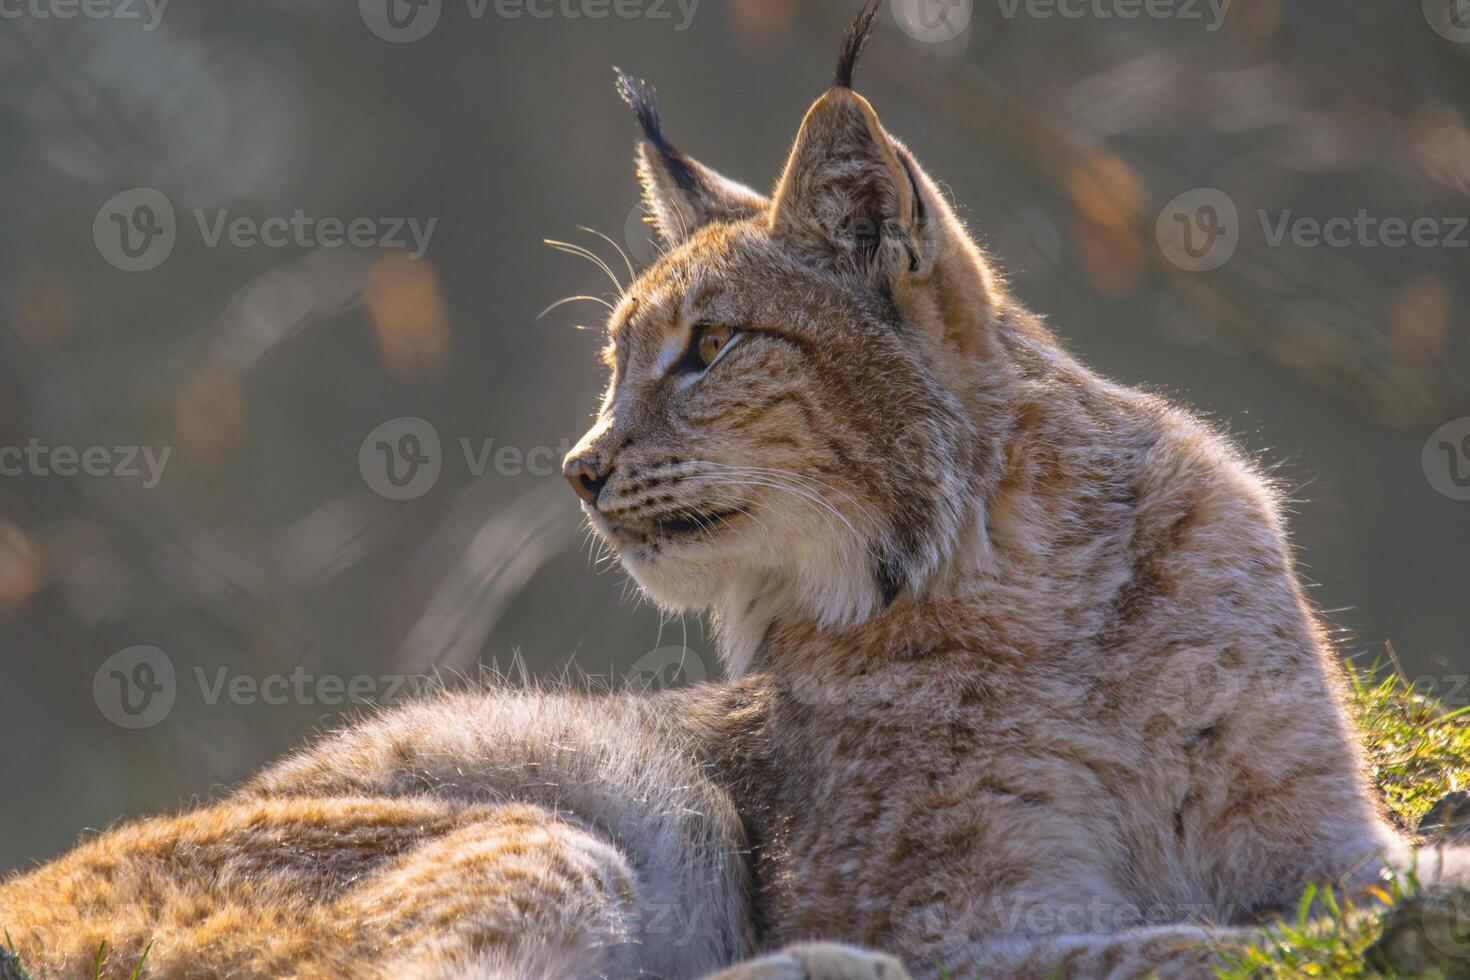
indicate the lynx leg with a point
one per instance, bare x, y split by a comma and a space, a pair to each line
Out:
600, 764
236, 889
333, 887
1165, 952
519, 893
818, 961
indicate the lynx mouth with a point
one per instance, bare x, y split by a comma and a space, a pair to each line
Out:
693, 522
685, 524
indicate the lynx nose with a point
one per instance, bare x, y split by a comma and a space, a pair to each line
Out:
585, 477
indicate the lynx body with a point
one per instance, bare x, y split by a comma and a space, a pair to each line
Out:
1022, 678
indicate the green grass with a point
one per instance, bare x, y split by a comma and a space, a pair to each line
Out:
1419, 753
10, 965
12, 969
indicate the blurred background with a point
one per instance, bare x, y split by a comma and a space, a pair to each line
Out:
280, 427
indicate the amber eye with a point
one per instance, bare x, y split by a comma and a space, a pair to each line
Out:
710, 343
709, 340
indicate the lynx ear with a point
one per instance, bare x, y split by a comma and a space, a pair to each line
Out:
849, 197
682, 194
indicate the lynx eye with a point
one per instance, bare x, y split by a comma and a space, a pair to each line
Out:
705, 347
710, 342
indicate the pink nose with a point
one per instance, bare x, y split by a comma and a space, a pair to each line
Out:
582, 473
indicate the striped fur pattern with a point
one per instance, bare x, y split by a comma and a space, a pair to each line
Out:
1023, 679
503, 834
1026, 680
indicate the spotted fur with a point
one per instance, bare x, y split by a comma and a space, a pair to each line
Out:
501, 834
1026, 679
1023, 679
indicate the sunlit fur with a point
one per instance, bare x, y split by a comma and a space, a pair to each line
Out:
1026, 683
845, 424
1029, 684
497, 834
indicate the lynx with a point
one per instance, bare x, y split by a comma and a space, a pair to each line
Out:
1021, 678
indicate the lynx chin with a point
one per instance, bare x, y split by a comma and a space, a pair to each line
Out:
1022, 679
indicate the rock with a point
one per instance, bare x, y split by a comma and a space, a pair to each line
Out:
10, 968
1448, 819
1427, 937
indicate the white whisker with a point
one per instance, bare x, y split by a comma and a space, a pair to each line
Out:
590, 256
808, 482
574, 299
626, 261
824, 508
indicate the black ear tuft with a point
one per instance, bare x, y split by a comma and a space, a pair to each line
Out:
643, 100
857, 35
680, 193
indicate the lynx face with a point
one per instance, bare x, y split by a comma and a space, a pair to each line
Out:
781, 435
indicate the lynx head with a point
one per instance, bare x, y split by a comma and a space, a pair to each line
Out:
789, 428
